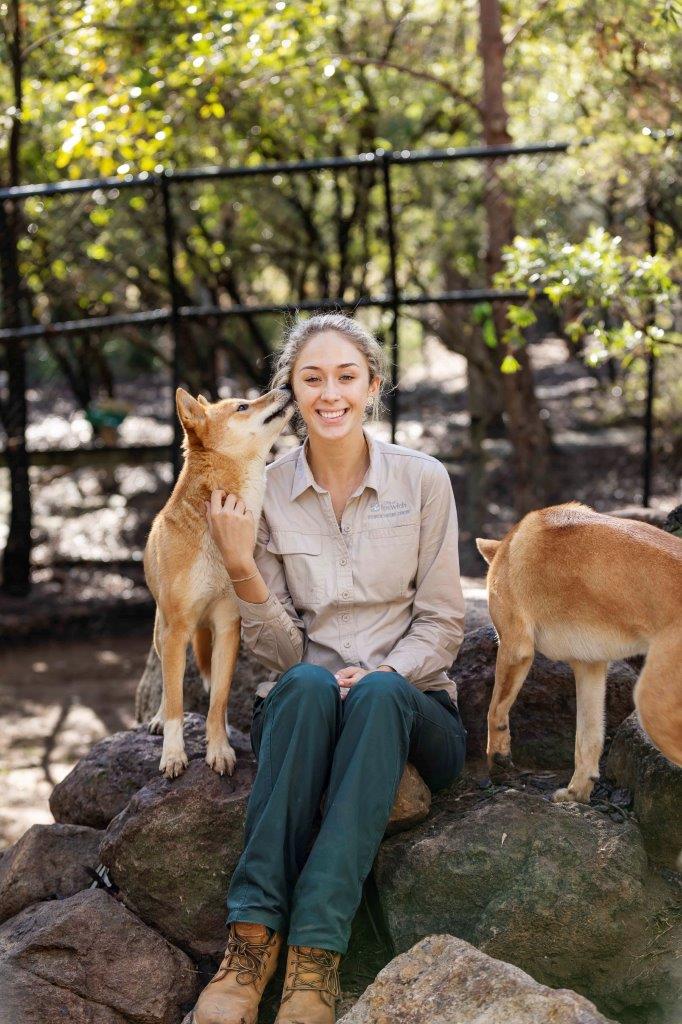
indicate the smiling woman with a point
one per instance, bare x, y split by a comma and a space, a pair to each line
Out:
352, 598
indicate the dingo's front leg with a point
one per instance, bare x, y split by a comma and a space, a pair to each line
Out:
514, 659
219, 754
173, 656
590, 694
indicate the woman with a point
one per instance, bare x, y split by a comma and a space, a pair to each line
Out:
351, 595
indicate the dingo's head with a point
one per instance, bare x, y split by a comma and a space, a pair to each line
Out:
234, 426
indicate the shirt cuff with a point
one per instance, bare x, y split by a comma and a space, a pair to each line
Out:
416, 665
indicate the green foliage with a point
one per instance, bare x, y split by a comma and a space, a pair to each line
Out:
618, 303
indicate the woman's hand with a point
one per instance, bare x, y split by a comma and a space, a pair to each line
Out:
349, 675
232, 527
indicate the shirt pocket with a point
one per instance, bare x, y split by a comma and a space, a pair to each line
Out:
389, 561
304, 568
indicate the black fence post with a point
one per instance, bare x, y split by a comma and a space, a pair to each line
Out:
16, 561
169, 236
647, 462
395, 304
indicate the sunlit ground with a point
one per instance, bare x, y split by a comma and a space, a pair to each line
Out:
57, 698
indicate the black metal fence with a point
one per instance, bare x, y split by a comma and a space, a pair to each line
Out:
163, 185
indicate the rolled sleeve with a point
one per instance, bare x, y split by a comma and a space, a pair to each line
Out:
271, 629
435, 635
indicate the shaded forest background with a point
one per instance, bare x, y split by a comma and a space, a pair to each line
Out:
87, 90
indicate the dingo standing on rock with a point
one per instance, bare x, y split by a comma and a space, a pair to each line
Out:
225, 447
587, 588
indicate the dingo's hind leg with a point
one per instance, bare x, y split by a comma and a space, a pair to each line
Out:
202, 643
174, 655
219, 754
590, 694
514, 658
156, 722
658, 694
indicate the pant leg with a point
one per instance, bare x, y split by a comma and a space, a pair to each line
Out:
385, 719
294, 738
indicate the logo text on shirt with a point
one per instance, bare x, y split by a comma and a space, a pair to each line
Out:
381, 509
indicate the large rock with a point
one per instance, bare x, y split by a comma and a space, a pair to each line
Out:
560, 891
48, 862
443, 980
542, 720
101, 784
88, 960
248, 674
656, 785
173, 849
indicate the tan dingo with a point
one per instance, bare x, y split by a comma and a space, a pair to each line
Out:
587, 588
225, 448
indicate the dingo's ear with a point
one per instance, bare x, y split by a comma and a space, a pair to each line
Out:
202, 400
487, 548
190, 411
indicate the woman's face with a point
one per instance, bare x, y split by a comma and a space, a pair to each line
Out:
331, 376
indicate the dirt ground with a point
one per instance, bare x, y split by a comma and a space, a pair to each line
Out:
57, 698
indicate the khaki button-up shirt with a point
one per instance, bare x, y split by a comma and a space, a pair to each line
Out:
382, 587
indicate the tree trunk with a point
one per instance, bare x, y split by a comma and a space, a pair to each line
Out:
16, 568
528, 433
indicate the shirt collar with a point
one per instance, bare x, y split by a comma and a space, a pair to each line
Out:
303, 477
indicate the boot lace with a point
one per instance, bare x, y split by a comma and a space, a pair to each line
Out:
323, 965
245, 957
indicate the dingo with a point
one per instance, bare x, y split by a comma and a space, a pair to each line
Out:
225, 447
586, 588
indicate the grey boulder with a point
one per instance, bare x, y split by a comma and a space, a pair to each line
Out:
88, 960
173, 849
559, 890
444, 980
634, 763
47, 862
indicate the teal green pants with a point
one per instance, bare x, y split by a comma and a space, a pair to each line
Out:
292, 876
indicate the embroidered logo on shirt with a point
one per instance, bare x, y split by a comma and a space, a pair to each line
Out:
381, 509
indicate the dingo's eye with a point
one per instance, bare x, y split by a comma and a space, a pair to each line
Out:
242, 407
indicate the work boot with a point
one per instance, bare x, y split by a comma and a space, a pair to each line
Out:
311, 986
233, 994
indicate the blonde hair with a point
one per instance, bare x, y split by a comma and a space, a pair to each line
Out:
300, 332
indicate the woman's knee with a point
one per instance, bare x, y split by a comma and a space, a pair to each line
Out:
308, 682
380, 686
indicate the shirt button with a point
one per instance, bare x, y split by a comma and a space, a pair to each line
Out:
345, 593
345, 618
346, 643
343, 561
346, 529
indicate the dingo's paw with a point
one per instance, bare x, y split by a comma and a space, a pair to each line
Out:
173, 763
570, 795
155, 725
221, 757
501, 767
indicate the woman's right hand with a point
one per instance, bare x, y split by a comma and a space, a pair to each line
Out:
233, 528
